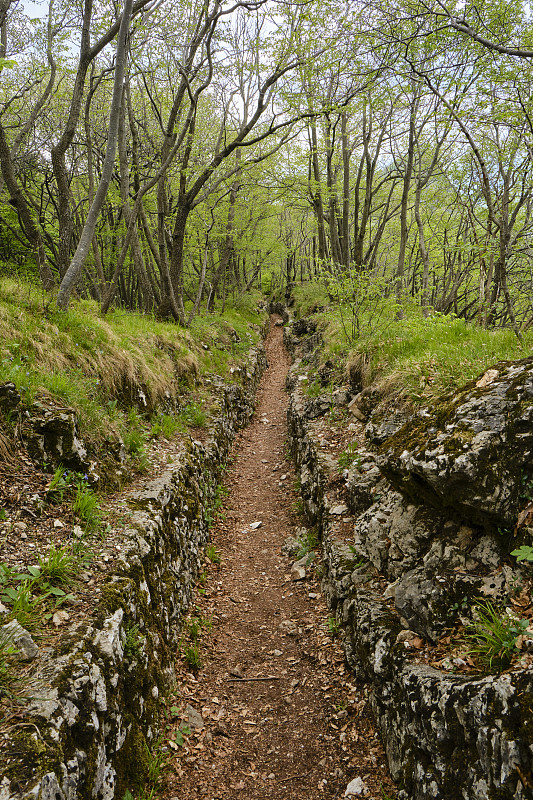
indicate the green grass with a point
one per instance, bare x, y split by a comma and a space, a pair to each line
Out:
86, 507
7, 651
99, 366
415, 357
493, 636
58, 566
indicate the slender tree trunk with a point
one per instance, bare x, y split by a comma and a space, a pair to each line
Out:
345, 193
17, 199
404, 230
76, 265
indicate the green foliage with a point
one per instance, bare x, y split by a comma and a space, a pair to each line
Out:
86, 507
361, 300
307, 543
333, 627
7, 651
310, 297
523, 553
349, 457
191, 654
193, 415
96, 365
134, 436
133, 642
213, 511
165, 425
416, 356
493, 636
57, 567
157, 760
63, 481
212, 554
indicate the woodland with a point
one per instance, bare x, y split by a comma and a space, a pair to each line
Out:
160, 156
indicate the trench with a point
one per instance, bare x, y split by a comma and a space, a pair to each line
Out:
280, 717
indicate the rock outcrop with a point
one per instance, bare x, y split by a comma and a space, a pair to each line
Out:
434, 506
94, 700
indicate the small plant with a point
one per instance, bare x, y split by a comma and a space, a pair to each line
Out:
196, 624
308, 542
7, 651
133, 642
212, 554
214, 512
61, 483
349, 457
191, 654
24, 606
333, 627
527, 486
134, 436
193, 415
165, 425
86, 507
523, 553
157, 759
493, 636
460, 607
57, 566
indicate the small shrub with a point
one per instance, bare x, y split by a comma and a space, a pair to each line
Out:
308, 542
493, 636
349, 457
166, 426
194, 415
333, 627
133, 642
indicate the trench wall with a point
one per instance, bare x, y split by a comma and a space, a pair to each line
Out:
94, 700
447, 737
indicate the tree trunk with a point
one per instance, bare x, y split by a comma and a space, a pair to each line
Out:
76, 265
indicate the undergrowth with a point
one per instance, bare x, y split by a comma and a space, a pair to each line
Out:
415, 357
103, 367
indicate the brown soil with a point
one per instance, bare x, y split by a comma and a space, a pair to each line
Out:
283, 718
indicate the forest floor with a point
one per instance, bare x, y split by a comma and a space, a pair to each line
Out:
280, 717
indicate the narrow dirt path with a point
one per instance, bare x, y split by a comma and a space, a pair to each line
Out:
280, 716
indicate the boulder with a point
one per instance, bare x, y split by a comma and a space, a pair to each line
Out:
473, 451
51, 434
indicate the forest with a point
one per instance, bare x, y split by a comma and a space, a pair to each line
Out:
163, 156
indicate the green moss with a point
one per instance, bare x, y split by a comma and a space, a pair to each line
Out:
133, 761
27, 756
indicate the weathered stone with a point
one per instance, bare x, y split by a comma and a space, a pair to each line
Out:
51, 434
447, 736
9, 396
12, 633
194, 719
102, 688
297, 572
473, 452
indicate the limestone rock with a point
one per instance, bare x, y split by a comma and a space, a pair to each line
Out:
356, 788
473, 451
51, 434
194, 719
9, 396
18, 637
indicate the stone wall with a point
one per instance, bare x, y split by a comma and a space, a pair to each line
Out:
94, 704
447, 736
